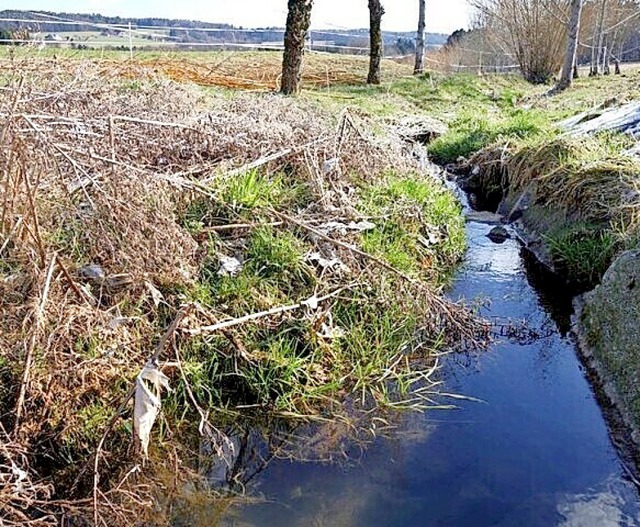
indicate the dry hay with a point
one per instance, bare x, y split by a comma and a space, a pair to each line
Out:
94, 171
573, 174
262, 70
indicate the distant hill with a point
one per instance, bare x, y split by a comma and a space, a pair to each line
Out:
196, 32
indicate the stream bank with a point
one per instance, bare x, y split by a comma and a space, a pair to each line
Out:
532, 448
580, 233
175, 262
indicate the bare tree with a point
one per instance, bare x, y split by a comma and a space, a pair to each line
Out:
375, 38
597, 57
298, 21
573, 30
533, 31
612, 27
419, 65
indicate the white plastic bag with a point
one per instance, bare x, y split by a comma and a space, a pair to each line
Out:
147, 403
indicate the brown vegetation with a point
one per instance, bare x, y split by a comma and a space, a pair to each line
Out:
96, 176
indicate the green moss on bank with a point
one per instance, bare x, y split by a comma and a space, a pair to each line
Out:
608, 327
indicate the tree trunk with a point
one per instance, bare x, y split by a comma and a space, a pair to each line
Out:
576, 73
600, 44
375, 36
419, 65
573, 29
298, 21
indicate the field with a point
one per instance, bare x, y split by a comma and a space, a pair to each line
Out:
252, 70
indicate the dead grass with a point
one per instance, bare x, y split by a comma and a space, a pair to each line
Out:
587, 179
233, 70
96, 176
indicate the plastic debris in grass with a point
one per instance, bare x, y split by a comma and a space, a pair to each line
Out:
229, 266
343, 228
326, 263
147, 402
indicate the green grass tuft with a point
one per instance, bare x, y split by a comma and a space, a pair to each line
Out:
582, 252
419, 226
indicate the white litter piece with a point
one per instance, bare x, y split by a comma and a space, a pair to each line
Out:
334, 264
343, 228
323, 262
156, 295
147, 404
311, 303
229, 266
20, 475
330, 165
330, 332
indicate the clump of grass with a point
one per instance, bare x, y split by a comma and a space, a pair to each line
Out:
277, 256
238, 196
273, 272
377, 337
582, 252
256, 189
587, 178
419, 227
471, 131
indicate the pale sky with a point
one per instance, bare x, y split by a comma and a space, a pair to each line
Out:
443, 16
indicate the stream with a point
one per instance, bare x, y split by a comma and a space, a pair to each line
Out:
533, 450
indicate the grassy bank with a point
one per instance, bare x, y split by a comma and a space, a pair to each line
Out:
583, 190
581, 193
271, 260
262, 257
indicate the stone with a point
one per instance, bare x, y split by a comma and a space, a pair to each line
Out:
92, 272
483, 216
498, 234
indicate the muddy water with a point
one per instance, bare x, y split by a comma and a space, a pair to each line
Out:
536, 451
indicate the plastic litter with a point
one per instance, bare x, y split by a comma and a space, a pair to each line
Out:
147, 403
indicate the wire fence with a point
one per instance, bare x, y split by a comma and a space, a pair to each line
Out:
48, 31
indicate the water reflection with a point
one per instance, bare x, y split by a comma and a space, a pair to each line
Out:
536, 452
606, 508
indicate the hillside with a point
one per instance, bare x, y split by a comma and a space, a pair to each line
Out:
87, 27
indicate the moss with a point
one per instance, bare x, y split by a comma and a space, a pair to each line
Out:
609, 324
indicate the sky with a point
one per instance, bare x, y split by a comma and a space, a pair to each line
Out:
443, 16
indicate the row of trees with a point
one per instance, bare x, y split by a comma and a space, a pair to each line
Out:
298, 22
545, 36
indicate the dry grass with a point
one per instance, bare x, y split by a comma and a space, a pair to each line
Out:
587, 179
236, 70
97, 171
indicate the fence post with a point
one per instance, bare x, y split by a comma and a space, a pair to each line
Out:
130, 43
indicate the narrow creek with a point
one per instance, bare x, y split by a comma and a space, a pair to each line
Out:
534, 450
